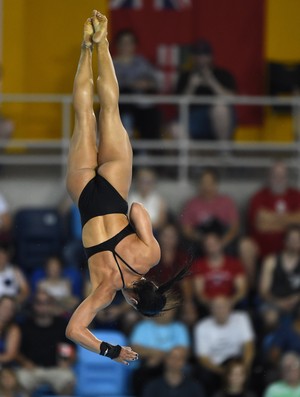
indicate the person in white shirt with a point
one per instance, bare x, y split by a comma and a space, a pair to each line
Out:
147, 194
224, 335
12, 280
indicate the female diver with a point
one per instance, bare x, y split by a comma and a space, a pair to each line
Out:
120, 248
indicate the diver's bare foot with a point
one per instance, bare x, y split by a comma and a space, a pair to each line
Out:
88, 32
100, 27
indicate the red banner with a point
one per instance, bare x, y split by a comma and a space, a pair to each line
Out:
233, 27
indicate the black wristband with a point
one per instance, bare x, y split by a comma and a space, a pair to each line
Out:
108, 350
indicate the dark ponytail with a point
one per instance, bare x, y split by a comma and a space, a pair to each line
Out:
179, 276
152, 299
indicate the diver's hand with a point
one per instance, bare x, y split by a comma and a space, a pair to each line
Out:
126, 356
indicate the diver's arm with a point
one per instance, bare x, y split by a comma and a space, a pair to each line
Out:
142, 223
77, 329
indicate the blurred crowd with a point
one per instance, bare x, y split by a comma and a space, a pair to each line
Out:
236, 331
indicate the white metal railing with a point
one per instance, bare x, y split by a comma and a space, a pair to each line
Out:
181, 153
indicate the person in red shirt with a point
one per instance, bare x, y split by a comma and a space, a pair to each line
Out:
272, 210
215, 275
210, 210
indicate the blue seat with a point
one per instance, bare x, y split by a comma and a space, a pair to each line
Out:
99, 376
38, 234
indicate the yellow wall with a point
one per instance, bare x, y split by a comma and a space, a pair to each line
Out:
41, 44
283, 30
282, 44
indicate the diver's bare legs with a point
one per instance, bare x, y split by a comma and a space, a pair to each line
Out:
114, 151
82, 161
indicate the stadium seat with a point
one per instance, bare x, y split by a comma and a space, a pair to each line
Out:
100, 376
38, 234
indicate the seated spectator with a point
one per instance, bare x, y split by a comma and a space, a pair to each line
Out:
280, 276
286, 338
210, 211
152, 339
289, 384
9, 385
235, 378
136, 76
10, 334
146, 193
189, 315
173, 257
208, 121
174, 380
12, 280
46, 356
58, 286
216, 274
268, 323
224, 335
272, 210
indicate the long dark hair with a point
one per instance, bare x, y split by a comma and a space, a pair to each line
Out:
152, 299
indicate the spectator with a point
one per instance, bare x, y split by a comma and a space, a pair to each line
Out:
57, 286
224, 335
272, 210
136, 76
10, 335
289, 385
235, 377
153, 339
147, 194
174, 381
210, 211
286, 338
248, 254
189, 315
9, 385
172, 258
216, 274
268, 323
215, 121
46, 355
280, 277
12, 280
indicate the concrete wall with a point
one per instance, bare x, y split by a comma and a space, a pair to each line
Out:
26, 187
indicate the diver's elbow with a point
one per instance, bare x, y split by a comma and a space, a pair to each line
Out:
72, 332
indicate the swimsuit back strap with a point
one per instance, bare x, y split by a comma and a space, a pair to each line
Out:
121, 274
126, 264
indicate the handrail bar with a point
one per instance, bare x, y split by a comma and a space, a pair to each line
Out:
160, 99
